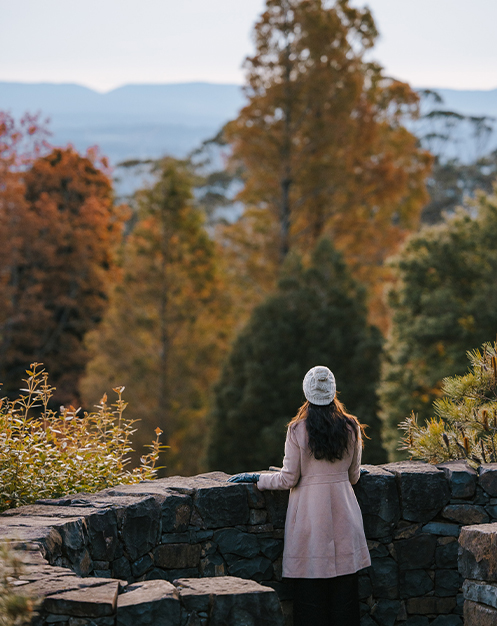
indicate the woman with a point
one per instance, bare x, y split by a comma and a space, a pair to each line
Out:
325, 545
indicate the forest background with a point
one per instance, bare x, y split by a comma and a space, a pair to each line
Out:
349, 250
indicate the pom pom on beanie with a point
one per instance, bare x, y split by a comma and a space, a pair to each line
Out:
319, 385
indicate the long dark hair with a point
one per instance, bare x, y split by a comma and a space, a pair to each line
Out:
328, 428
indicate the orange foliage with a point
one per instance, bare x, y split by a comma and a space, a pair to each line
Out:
321, 139
58, 226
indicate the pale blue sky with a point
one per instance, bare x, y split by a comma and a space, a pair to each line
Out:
107, 43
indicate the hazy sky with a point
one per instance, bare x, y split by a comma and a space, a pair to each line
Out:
107, 43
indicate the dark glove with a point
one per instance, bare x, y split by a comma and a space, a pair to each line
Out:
244, 478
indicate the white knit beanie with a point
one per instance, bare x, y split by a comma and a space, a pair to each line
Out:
319, 385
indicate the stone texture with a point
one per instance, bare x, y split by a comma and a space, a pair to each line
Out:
447, 582
385, 578
213, 565
415, 583
176, 513
478, 614
478, 552
416, 620
446, 555
462, 478
177, 555
385, 612
447, 620
276, 503
377, 495
442, 529
488, 478
430, 605
259, 568
150, 603
140, 527
416, 553
423, 489
233, 541
233, 601
87, 602
221, 506
272, 548
103, 539
478, 591
465, 514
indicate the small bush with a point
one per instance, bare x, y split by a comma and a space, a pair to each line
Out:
47, 454
15, 609
466, 422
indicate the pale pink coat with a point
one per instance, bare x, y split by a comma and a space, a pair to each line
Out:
324, 534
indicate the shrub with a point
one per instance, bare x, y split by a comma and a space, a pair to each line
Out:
46, 454
15, 609
466, 422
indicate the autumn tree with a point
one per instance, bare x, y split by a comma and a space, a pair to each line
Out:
58, 228
316, 316
165, 326
322, 141
444, 303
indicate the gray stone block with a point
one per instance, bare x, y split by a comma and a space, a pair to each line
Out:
258, 569
465, 514
121, 568
424, 489
479, 591
232, 541
142, 565
477, 554
476, 614
213, 565
385, 612
378, 498
415, 583
416, 553
447, 582
430, 605
446, 555
487, 478
416, 620
140, 527
177, 555
447, 620
233, 601
462, 478
224, 505
385, 578
95, 602
176, 513
272, 548
102, 531
149, 603
442, 529
276, 504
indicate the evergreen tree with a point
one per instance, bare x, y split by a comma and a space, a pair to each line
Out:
163, 334
317, 316
444, 303
466, 423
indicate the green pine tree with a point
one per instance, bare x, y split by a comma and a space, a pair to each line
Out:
466, 423
444, 304
317, 316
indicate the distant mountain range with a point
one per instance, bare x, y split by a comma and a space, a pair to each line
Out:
133, 121
143, 121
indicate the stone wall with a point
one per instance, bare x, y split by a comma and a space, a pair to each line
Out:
124, 540
478, 565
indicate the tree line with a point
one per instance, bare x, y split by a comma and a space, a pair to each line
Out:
211, 323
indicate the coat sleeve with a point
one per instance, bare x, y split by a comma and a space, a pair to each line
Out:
289, 474
355, 466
